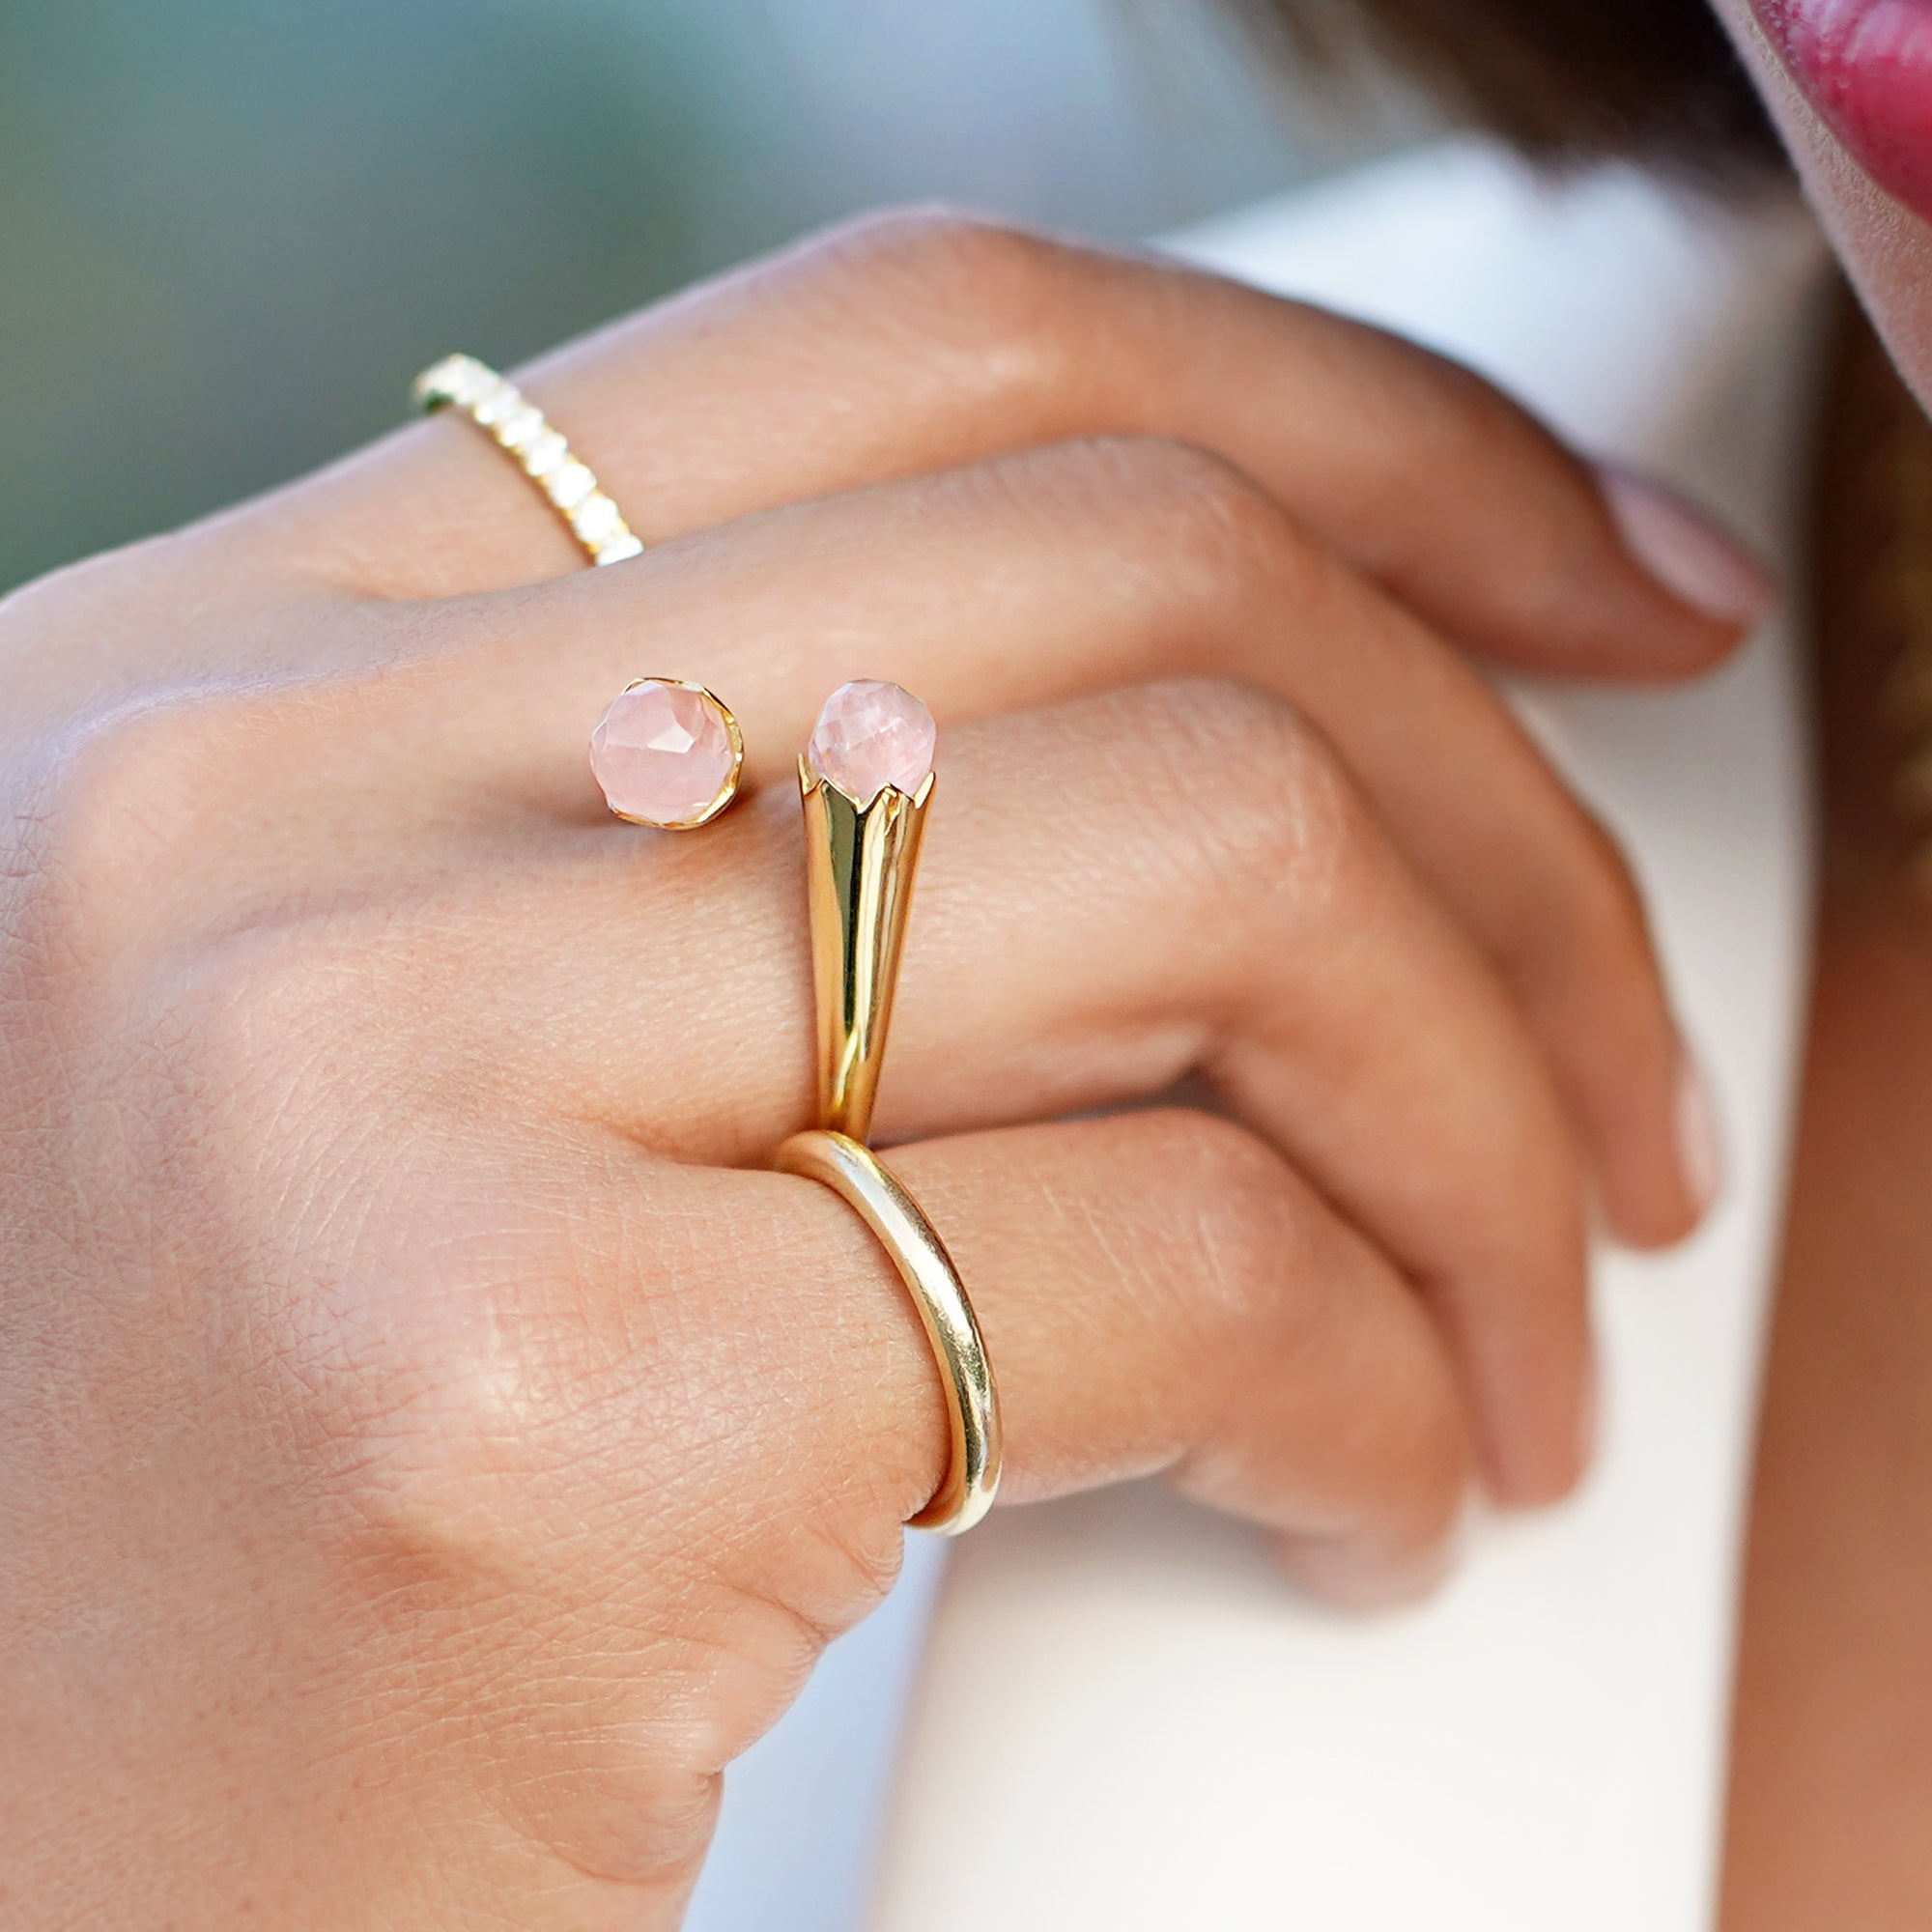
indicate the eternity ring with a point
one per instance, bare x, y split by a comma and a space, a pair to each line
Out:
862, 1179
498, 406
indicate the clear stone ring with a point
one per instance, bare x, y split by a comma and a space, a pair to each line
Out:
517, 426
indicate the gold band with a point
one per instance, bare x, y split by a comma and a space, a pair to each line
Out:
517, 426
861, 862
860, 1178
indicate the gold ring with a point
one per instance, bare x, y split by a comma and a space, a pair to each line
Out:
517, 426
867, 780
862, 1179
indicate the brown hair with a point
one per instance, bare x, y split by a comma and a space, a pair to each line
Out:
1558, 78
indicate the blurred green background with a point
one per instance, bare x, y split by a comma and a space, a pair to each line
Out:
231, 230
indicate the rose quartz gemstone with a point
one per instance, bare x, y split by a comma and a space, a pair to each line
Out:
662, 754
871, 735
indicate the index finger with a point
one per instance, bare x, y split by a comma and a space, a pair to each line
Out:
915, 342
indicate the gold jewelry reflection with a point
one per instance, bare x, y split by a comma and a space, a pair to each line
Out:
874, 1191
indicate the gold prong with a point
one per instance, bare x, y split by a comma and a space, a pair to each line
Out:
861, 862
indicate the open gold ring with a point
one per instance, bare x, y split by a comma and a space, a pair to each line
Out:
860, 1178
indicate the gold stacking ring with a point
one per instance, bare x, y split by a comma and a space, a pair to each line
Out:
503, 412
862, 1179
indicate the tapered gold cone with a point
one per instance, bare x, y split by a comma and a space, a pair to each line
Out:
860, 865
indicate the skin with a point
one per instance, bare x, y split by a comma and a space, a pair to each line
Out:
1832, 1775
1831, 1778
430, 1447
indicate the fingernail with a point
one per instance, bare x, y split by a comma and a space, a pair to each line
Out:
1700, 1156
1697, 561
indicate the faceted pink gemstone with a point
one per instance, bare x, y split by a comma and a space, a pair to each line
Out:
662, 754
871, 735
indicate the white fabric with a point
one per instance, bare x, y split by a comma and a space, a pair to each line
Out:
1123, 1714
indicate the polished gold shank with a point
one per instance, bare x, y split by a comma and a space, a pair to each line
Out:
874, 1191
519, 429
861, 862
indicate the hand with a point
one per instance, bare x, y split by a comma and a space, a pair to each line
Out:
430, 1447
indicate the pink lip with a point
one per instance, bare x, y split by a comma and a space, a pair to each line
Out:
1867, 66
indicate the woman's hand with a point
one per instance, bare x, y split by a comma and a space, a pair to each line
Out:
430, 1447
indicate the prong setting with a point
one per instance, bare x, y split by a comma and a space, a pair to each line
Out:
667, 754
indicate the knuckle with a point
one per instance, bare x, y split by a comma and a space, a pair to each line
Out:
132, 814
1280, 813
995, 291
1238, 1200
264, 1010
1266, 1289
1212, 524
259, 1072
439, 1419
1202, 496
474, 1398
950, 253
240, 1071
112, 814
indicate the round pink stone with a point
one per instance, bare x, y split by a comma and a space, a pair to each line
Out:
662, 754
871, 735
